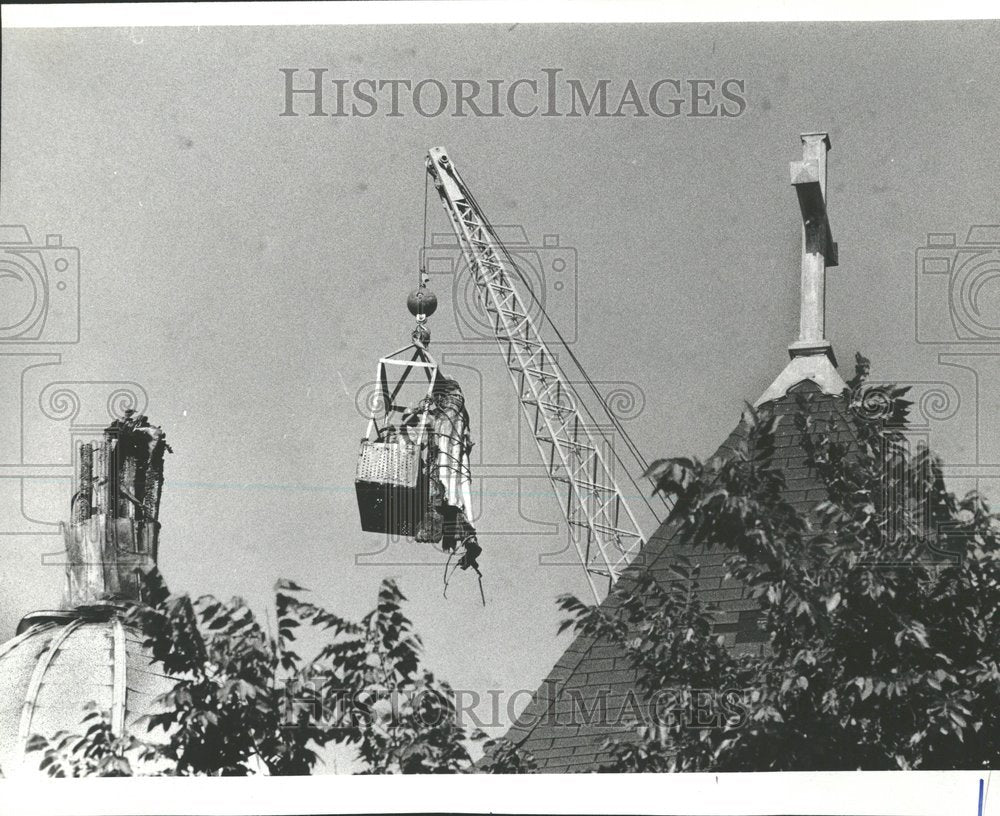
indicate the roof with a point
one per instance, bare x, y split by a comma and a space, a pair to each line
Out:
591, 694
61, 661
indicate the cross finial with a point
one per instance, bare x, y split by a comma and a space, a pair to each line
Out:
818, 248
812, 354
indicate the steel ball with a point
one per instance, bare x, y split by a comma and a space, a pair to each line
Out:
422, 301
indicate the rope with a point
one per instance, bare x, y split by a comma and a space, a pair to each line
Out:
482, 595
447, 578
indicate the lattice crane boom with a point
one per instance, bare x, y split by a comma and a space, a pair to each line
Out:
603, 528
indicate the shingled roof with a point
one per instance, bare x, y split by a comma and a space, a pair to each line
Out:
591, 693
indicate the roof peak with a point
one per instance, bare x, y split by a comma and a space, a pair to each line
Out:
817, 367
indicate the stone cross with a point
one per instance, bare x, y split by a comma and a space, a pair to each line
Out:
818, 248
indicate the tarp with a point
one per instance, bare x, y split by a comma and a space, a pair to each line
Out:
448, 456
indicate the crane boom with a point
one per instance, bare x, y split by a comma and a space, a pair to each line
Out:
603, 528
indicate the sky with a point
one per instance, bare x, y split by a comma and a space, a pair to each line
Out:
244, 271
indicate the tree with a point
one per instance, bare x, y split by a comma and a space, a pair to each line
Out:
882, 608
246, 702
98, 752
501, 756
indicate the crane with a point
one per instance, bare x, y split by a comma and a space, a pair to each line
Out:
603, 527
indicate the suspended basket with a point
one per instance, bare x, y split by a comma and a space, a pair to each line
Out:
391, 480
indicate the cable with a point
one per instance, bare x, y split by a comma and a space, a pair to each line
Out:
633, 449
616, 423
423, 249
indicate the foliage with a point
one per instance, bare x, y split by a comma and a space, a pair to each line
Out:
501, 756
245, 701
880, 604
881, 607
98, 752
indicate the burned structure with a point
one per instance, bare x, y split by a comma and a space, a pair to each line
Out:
62, 659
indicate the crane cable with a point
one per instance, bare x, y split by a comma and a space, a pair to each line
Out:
422, 273
629, 443
615, 421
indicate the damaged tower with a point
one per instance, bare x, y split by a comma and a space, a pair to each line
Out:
113, 534
86, 651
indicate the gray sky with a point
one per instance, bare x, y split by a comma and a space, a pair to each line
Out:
248, 270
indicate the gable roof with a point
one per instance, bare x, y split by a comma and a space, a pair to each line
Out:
591, 693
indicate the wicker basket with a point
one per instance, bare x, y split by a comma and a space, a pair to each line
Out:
394, 463
391, 486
